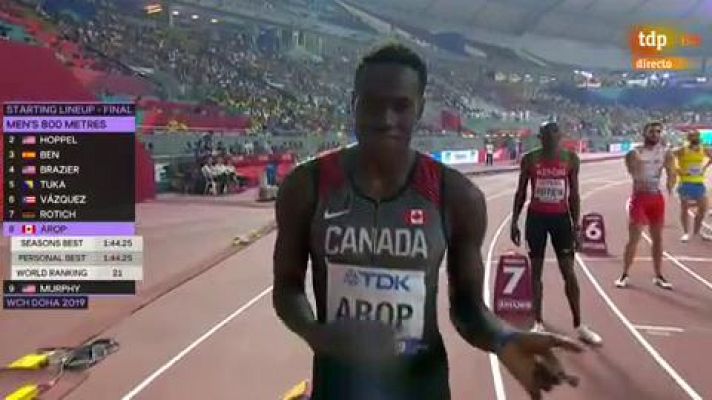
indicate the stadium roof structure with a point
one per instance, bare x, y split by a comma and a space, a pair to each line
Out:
595, 23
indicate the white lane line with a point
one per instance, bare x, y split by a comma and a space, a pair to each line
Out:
674, 260
647, 346
681, 258
136, 390
162, 369
704, 223
494, 362
659, 328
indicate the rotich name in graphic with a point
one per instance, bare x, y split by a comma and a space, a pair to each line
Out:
58, 214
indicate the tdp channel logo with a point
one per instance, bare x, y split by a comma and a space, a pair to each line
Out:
656, 48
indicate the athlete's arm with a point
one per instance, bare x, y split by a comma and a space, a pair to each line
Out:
670, 171
631, 163
466, 212
677, 156
295, 203
520, 197
574, 195
708, 151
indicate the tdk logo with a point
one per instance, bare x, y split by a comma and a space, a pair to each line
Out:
351, 278
377, 280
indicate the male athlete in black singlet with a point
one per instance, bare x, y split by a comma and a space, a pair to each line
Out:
375, 220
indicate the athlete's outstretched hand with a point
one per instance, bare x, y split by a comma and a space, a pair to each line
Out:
515, 234
356, 341
531, 360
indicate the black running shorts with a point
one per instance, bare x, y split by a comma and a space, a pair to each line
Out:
559, 226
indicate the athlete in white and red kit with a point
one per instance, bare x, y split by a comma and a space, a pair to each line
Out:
554, 210
646, 206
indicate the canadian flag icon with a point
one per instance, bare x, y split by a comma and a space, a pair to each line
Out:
29, 229
416, 217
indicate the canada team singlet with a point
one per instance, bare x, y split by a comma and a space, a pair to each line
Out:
550, 182
380, 261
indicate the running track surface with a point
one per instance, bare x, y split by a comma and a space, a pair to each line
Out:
217, 336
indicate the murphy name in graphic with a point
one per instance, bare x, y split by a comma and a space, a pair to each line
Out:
69, 164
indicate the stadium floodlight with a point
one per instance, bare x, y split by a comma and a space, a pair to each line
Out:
153, 8
176, 12
214, 20
195, 16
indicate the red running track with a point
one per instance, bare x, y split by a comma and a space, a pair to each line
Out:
217, 336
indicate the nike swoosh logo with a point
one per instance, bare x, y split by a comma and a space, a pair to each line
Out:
330, 215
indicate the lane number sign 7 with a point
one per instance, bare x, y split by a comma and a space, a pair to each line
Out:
515, 275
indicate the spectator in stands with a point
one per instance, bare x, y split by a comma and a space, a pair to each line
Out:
489, 148
271, 172
208, 173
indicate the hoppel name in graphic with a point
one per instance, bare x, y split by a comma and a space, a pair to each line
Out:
45, 302
68, 287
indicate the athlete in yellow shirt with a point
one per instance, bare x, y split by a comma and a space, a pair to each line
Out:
691, 169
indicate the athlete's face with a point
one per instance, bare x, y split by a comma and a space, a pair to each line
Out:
550, 139
694, 138
652, 135
387, 104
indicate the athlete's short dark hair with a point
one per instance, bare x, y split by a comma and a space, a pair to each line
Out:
652, 124
548, 127
394, 53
